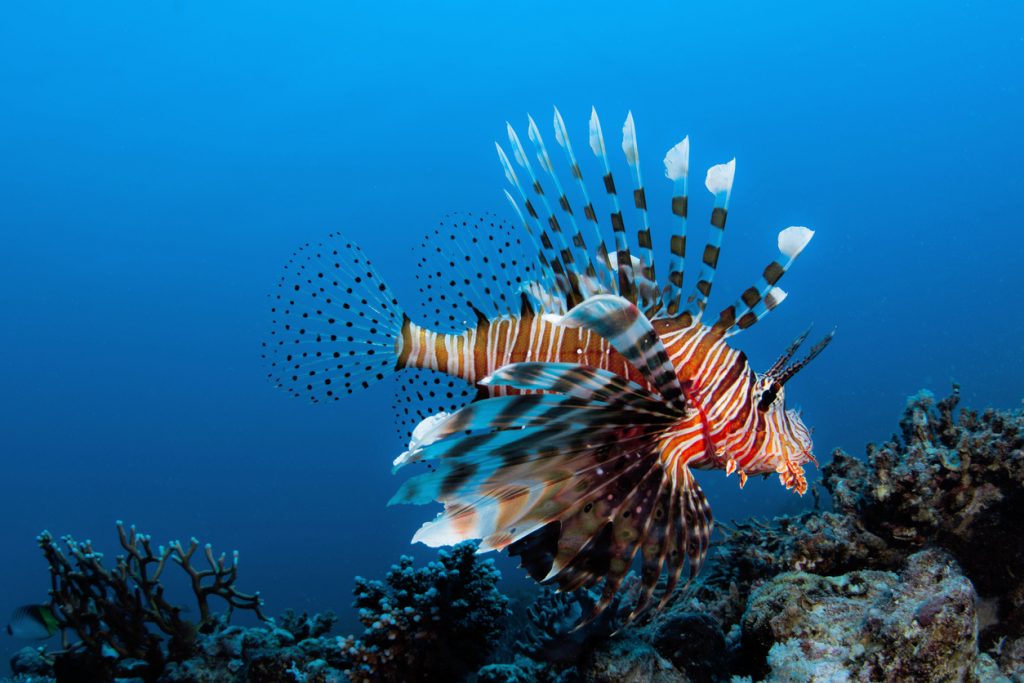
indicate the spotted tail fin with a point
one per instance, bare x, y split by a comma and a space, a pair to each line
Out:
336, 327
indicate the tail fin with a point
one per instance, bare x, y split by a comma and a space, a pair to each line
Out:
336, 326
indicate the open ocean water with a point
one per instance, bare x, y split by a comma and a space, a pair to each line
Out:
159, 161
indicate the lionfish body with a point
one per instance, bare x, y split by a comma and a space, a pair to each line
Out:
595, 391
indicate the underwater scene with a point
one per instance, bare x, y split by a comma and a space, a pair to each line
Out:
512, 342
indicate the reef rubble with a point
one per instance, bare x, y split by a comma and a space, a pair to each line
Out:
915, 573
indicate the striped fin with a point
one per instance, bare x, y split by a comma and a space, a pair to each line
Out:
628, 523
581, 381
655, 543
650, 297
504, 504
631, 334
693, 533
719, 183
589, 284
554, 276
571, 481
760, 298
624, 262
677, 169
477, 425
566, 260
602, 264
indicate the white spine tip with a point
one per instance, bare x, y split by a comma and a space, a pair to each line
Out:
629, 139
677, 160
777, 295
720, 177
793, 239
559, 128
596, 139
517, 147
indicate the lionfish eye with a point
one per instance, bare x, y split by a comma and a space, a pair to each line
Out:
767, 398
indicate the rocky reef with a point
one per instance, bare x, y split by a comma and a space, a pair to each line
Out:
916, 573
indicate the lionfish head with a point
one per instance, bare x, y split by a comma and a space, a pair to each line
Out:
787, 441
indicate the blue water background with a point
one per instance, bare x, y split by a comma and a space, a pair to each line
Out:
160, 160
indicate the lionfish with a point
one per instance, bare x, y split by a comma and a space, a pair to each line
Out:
565, 397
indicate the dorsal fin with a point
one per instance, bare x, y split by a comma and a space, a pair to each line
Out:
565, 260
650, 296
719, 183
603, 265
624, 262
546, 254
677, 169
589, 284
762, 297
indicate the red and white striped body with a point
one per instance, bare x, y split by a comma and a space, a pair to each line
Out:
723, 430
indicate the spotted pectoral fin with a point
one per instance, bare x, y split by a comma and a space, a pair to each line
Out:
642, 508
688, 541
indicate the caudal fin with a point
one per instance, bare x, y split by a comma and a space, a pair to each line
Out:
335, 325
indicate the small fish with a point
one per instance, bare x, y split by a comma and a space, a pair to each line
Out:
564, 398
33, 622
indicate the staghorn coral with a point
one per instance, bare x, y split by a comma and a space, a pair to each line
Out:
433, 623
121, 615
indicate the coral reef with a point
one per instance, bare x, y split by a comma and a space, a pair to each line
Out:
434, 623
912, 575
918, 624
955, 483
120, 615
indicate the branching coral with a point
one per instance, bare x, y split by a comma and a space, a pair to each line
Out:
553, 632
433, 623
123, 611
